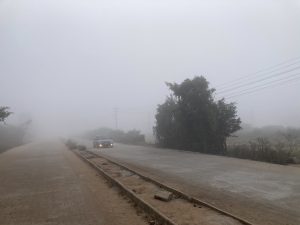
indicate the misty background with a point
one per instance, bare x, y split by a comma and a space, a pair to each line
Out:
76, 65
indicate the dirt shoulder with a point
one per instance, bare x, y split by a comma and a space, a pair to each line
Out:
47, 184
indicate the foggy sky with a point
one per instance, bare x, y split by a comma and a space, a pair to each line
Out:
67, 64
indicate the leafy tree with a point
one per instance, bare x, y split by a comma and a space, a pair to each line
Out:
166, 131
227, 122
4, 113
191, 119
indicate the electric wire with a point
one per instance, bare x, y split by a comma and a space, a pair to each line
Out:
263, 84
257, 81
263, 87
266, 71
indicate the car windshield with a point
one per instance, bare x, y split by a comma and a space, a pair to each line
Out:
106, 140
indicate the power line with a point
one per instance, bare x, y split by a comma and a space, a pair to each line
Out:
250, 76
265, 87
239, 81
259, 80
264, 84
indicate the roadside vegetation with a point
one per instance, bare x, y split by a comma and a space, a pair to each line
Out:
10, 135
71, 144
191, 119
274, 144
129, 137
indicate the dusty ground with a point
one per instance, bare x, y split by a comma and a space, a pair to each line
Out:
259, 192
180, 211
47, 184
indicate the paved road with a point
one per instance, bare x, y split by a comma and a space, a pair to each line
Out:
44, 183
261, 192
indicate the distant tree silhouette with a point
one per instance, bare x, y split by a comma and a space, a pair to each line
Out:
129, 137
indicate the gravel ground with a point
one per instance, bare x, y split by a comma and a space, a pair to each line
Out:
44, 183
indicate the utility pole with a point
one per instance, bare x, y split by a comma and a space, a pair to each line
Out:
149, 123
116, 111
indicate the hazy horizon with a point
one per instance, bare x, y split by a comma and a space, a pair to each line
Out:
69, 65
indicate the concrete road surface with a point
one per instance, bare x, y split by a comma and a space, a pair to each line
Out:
263, 193
44, 183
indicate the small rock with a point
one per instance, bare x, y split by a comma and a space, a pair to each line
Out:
163, 196
152, 222
195, 205
126, 173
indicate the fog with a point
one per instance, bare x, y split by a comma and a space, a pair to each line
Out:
76, 65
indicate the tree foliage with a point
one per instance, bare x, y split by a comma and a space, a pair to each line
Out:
191, 119
4, 113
